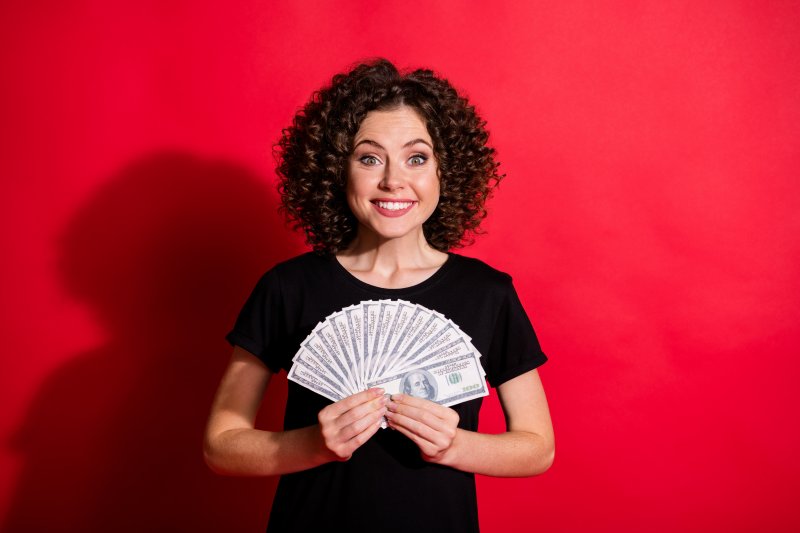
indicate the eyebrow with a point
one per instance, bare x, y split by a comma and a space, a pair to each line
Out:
406, 145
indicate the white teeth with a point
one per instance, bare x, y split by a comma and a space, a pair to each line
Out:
394, 206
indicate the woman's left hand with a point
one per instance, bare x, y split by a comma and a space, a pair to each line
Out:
431, 426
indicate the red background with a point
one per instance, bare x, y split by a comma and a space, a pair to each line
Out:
649, 218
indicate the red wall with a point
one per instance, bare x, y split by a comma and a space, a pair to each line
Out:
650, 220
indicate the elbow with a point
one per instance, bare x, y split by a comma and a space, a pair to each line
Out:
543, 459
536, 457
547, 459
212, 456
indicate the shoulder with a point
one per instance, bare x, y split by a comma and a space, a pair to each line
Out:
302, 262
300, 265
294, 270
475, 270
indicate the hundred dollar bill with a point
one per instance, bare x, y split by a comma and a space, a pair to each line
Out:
327, 336
402, 313
345, 344
313, 344
369, 315
355, 335
459, 346
308, 379
447, 382
427, 334
418, 316
386, 314
324, 370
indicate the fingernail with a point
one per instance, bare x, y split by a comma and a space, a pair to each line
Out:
378, 392
391, 405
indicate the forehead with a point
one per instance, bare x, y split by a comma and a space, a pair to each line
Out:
401, 124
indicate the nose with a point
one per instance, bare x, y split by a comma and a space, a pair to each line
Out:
392, 179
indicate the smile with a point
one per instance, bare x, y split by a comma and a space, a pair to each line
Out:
393, 208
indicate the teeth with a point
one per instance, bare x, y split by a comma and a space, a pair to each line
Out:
394, 206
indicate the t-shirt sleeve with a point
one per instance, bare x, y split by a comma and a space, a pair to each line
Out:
514, 348
259, 328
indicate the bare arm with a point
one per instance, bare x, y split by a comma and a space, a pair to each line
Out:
527, 447
233, 446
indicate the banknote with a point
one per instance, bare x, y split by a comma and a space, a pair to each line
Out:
324, 368
370, 320
307, 378
458, 346
325, 334
447, 382
394, 344
314, 345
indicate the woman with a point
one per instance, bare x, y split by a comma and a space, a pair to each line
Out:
385, 173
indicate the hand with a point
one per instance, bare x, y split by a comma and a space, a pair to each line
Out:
431, 426
350, 422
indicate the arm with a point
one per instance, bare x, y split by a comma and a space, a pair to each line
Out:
233, 446
526, 448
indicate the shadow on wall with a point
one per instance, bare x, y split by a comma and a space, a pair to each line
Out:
164, 254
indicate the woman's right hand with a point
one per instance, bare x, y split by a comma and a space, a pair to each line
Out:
350, 422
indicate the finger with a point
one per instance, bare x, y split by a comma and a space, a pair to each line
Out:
426, 447
449, 415
342, 441
358, 425
421, 403
370, 426
358, 398
434, 436
420, 414
360, 411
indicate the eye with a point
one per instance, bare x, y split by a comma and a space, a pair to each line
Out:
417, 159
369, 160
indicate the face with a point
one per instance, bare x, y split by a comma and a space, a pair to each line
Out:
392, 181
418, 386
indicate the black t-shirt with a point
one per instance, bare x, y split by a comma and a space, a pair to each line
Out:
385, 486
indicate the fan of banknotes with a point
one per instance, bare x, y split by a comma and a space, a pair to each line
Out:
393, 344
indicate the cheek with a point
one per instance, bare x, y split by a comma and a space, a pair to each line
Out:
352, 200
357, 194
434, 190
359, 182
435, 182
351, 187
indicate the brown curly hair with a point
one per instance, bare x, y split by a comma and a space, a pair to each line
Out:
313, 154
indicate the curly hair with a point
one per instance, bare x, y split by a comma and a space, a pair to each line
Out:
313, 155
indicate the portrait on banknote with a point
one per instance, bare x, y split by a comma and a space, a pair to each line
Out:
419, 383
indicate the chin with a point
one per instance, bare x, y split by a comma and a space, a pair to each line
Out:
384, 232
391, 236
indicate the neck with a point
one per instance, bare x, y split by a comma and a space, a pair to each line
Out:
387, 259
403, 250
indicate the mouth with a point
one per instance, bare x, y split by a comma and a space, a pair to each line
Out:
393, 208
